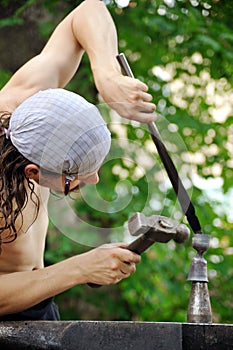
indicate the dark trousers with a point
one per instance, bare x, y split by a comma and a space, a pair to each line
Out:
45, 310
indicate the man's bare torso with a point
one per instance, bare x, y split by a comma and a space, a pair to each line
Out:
26, 252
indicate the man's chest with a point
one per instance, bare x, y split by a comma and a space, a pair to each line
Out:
26, 251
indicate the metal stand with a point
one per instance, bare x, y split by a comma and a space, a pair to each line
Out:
199, 309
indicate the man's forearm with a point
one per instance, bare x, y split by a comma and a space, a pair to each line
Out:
107, 264
21, 290
95, 31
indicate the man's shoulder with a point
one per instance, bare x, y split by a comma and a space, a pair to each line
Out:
11, 97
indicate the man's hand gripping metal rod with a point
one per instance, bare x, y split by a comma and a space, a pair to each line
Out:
182, 195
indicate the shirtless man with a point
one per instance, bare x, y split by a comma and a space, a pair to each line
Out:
26, 286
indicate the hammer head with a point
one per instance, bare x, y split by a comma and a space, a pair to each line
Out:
158, 228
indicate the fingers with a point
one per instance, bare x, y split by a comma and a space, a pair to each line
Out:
144, 96
109, 263
128, 260
140, 85
138, 92
128, 96
123, 254
127, 269
129, 257
121, 270
138, 103
127, 263
142, 113
124, 262
145, 117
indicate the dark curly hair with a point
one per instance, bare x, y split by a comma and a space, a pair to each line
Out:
13, 186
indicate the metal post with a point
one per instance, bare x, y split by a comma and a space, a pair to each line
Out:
199, 309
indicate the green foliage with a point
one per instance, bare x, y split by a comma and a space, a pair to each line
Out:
183, 51
12, 10
4, 77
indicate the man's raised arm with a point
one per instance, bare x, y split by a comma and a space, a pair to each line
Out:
90, 28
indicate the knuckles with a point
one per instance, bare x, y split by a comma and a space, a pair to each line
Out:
135, 96
114, 266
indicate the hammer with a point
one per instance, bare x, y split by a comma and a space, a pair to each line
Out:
153, 229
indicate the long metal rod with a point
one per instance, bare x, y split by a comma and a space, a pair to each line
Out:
177, 184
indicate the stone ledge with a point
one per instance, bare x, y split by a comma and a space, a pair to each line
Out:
106, 335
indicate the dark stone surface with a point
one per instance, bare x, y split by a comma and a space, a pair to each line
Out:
207, 337
122, 335
104, 335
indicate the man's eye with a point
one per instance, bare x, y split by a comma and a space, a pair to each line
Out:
77, 188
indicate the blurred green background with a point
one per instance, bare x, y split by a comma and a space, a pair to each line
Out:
183, 50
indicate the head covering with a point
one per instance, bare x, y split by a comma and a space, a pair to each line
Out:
61, 132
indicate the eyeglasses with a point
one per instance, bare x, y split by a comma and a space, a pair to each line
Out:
68, 180
67, 189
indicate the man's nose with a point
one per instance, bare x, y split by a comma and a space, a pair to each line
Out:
92, 179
